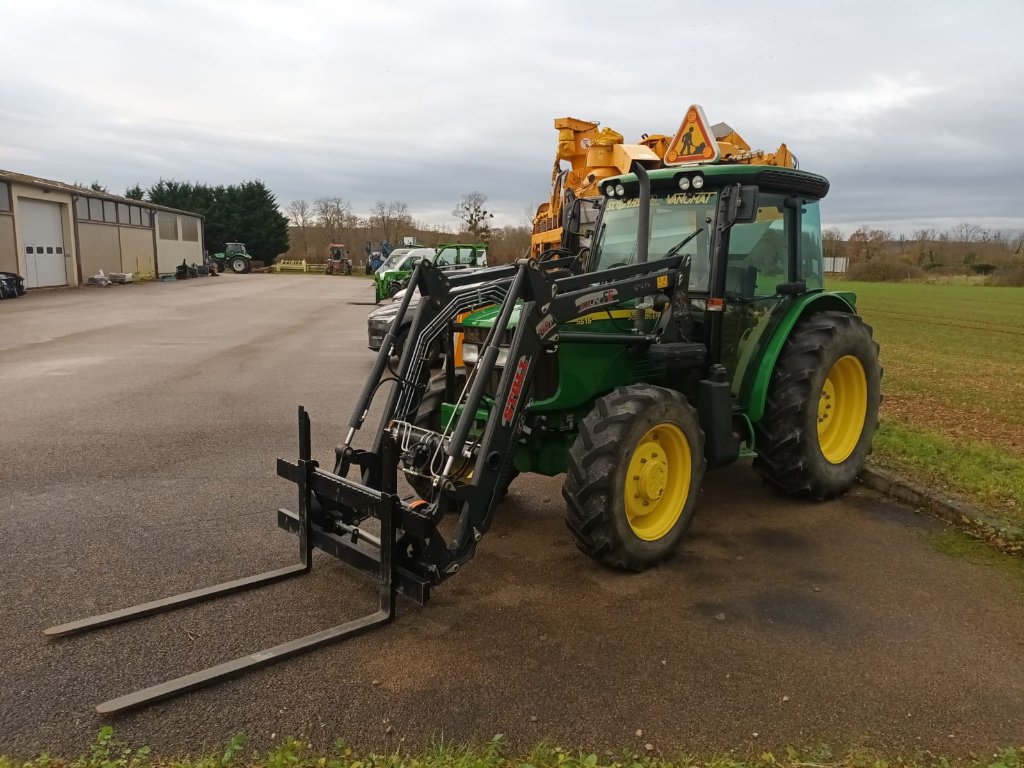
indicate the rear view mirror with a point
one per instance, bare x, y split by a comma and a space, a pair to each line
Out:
745, 205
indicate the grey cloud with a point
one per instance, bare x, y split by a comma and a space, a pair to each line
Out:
909, 109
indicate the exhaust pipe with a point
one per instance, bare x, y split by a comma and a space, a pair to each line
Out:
643, 225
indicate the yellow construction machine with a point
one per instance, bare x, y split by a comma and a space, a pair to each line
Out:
594, 154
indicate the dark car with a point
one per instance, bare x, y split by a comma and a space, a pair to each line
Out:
380, 319
11, 285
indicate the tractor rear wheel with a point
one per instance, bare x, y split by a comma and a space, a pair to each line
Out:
239, 265
634, 475
822, 407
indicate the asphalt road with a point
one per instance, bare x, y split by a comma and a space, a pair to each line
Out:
140, 427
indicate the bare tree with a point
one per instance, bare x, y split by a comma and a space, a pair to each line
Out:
832, 241
334, 215
867, 243
476, 218
967, 233
390, 217
300, 213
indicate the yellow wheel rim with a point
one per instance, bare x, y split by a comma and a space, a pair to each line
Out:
658, 481
842, 408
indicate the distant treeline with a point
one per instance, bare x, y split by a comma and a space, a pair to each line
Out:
966, 249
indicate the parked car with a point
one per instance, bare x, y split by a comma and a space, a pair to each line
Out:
11, 285
381, 318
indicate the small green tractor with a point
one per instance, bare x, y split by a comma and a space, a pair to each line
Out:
233, 257
690, 327
393, 276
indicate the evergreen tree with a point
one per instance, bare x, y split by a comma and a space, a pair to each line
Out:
238, 213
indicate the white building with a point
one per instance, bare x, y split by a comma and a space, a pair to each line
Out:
56, 234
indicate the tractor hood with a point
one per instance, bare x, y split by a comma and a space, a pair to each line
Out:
484, 318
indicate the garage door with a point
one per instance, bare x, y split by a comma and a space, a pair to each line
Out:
42, 233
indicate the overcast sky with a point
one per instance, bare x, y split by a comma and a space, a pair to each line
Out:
914, 111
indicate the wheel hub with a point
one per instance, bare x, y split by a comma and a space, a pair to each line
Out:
650, 482
826, 404
842, 409
657, 482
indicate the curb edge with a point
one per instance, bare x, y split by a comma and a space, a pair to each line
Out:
953, 511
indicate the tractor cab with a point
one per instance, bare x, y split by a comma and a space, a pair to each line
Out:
235, 249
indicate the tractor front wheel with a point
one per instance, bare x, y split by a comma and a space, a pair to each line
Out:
239, 265
822, 407
634, 475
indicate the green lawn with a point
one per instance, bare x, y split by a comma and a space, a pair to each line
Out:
294, 753
953, 414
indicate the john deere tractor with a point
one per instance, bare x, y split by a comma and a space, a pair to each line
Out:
688, 328
693, 329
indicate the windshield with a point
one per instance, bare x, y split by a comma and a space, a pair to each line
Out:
393, 258
673, 218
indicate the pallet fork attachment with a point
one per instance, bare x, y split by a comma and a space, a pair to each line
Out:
306, 474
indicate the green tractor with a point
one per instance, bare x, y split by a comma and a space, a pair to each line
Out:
691, 328
694, 330
394, 274
233, 257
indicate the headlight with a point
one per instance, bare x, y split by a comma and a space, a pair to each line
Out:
471, 355
620, 190
684, 183
698, 181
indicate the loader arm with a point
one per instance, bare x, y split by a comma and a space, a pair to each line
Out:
544, 301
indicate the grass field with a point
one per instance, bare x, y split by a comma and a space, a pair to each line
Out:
294, 753
953, 413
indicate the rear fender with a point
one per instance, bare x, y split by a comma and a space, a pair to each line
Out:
755, 390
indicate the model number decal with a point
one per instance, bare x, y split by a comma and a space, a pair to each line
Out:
599, 299
509, 412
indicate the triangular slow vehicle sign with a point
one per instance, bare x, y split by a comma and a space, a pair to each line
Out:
694, 142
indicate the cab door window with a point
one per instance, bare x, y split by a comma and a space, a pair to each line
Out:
759, 251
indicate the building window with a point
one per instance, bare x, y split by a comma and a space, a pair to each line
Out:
122, 213
190, 229
5, 196
167, 225
147, 217
82, 208
135, 216
95, 209
110, 211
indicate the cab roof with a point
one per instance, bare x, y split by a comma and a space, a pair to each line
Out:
768, 177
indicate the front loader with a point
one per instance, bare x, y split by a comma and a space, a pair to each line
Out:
693, 330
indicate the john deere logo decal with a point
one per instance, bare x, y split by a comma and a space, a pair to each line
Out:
518, 380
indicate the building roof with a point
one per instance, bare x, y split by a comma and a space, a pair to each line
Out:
24, 178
